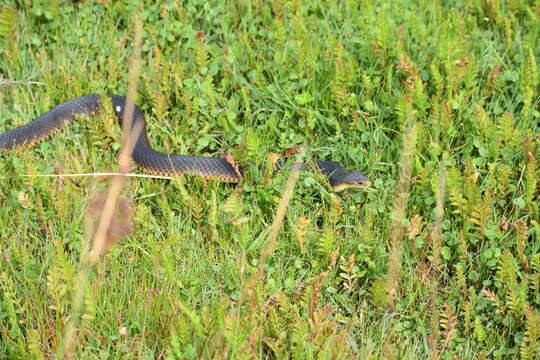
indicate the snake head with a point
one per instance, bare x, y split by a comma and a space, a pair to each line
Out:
352, 179
341, 179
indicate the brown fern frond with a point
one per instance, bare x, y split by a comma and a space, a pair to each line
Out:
522, 232
490, 295
448, 323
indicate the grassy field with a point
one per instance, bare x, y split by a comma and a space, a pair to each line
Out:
436, 101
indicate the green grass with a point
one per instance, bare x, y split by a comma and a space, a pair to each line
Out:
345, 79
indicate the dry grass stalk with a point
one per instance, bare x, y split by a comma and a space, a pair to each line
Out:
436, 242
280, 213
436, 233
249, 290
129, 137
106, 216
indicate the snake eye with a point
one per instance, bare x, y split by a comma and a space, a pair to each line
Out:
118, 108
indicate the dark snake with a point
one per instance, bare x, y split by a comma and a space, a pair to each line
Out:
144, 156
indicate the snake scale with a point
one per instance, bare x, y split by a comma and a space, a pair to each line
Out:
144, 156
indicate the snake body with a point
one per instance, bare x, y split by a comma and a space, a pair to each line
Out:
143, 155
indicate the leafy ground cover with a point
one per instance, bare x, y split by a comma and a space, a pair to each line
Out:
437, 102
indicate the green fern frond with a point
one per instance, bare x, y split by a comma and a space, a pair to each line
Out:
160, 107
437, 79
34, 345
507, 269
479, 331
60, 280
455, 191
233, 205
467, 315
530, 189
11, 310
516, 298
335, 209
535, 262
175, 344
508, 34
529, 82
461, 279
405, 111
480, 214
201, 54
347, 274
253, 144
470, 185
9, 22
299, 336
183, 330
378, 293
503, 179
507, 133
530, 347
326, 244
484, 124
344, 75
275, 323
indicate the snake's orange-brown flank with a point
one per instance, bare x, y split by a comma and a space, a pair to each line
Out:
143, 155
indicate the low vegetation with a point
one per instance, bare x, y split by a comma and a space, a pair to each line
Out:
436, 101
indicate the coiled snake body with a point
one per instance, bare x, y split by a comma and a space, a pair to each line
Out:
143, 155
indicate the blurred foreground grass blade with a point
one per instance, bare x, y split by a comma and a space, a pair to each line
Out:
402, 197
104, 227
